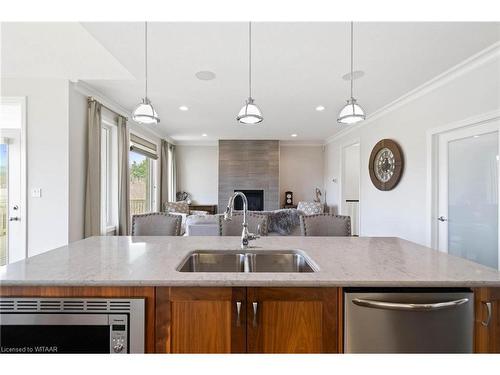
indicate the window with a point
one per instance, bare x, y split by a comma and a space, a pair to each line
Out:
142, 167
109, 175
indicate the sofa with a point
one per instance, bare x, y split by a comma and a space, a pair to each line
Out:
283, 222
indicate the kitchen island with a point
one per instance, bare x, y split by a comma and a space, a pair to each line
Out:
249, 312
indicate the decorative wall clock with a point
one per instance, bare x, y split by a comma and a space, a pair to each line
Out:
386, 164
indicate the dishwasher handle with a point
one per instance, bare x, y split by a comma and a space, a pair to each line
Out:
408, 306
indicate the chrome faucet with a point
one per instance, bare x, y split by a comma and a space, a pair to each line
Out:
246, 236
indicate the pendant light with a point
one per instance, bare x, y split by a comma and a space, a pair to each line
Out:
352, 111
250, 114
144, 113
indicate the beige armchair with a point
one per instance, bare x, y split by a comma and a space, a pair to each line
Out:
156, 224
325, 225
256, 224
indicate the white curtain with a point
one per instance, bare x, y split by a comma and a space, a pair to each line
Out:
164, 171
172, 191
123, 178
92, 225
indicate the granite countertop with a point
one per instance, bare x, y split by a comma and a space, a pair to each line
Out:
152, 261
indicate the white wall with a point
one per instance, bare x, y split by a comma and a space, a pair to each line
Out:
77, 158
77, 162
402, 211
197, 172
301, 171
56, 159
47, 159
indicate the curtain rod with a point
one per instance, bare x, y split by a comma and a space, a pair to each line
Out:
92, 99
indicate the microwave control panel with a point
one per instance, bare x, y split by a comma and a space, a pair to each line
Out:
118, 325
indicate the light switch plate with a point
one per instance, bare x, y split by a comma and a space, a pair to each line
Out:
36, 192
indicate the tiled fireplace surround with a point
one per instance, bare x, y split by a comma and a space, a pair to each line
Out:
249, 165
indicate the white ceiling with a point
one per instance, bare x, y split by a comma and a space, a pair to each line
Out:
56, 50
296, 67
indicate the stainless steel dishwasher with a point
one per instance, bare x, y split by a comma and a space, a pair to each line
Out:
399, 320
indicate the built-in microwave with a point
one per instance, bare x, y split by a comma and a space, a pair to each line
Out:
71, 325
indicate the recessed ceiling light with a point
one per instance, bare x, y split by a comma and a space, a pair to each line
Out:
320, 108
205, 75
476, 136
293, 135
184, 108
357, 74
204, 135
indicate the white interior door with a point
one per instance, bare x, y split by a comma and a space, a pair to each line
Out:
12, 181
468, 193
351, 170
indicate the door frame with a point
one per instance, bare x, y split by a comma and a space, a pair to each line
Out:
432, 186
352, 142
24, 171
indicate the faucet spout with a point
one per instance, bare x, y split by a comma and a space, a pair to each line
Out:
246, 236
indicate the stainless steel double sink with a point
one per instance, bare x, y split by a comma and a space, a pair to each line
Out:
245, 261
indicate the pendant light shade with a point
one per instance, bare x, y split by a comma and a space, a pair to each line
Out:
352, 112
144, 113
250, 114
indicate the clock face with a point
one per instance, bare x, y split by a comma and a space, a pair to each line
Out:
385, 165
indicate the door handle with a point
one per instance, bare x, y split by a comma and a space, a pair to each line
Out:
255, 306
486, 322
408, 306
238, 313
442, 218
15, 218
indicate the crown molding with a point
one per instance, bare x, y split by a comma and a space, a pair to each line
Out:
87, 90
440, 80
282, 143
197, 143
289, 143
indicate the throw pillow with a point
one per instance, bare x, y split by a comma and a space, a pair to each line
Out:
180, 207
310, 208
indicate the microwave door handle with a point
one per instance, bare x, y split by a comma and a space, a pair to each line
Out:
408, 306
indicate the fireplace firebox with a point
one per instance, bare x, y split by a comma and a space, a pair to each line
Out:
255, 200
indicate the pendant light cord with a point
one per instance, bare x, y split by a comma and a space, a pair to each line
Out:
250, 59
146, 55
352, 78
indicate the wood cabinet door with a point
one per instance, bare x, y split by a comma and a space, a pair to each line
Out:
292, 320
487, 320
207, 320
